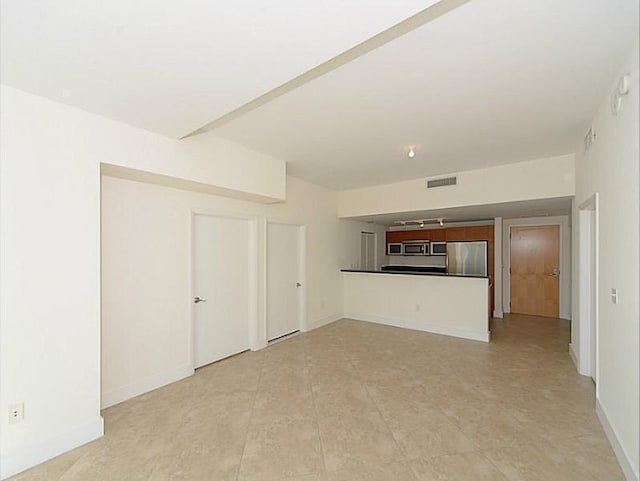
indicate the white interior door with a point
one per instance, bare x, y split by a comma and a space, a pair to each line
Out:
283, 280
367, 251
221, 280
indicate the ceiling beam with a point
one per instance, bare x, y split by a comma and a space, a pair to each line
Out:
419, 19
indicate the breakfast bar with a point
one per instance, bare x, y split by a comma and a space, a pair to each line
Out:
452, 305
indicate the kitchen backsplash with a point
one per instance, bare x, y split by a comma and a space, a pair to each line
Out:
435, 261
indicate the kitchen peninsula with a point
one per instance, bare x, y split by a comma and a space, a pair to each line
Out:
440, 303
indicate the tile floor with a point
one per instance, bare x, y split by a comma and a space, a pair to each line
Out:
357, 401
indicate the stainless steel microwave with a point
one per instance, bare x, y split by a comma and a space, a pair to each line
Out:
394, 249
438, 248
416, 248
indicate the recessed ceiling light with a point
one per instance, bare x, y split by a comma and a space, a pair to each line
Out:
412, 153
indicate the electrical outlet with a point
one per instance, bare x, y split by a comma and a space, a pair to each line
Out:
614, 295
16, 413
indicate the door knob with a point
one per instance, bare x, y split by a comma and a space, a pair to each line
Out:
199, 299
555, 272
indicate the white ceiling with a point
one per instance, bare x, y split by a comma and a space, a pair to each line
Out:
508, 210
489, 82
172, 67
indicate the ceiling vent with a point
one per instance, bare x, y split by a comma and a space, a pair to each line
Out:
445, 181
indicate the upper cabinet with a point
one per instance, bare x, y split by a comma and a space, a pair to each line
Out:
479, 232
449, 234
433, 235
437, 235
453, 234
469, 233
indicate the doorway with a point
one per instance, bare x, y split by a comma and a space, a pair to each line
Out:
535, 270
285, 276
222, 297
588, 287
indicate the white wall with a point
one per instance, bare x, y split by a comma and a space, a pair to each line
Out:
50, 280
610, 168
565, 259
535, 179
50, 256
416, 302
146, 301
203, 160
350, 246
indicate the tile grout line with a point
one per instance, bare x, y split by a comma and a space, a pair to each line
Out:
315, 409
550, 403
384, 421
253, 407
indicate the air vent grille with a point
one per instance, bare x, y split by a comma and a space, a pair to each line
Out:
432, 184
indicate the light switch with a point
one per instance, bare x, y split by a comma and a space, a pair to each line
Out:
614, 295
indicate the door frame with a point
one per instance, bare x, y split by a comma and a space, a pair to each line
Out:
564, 285
252, 261
588, 290
302, 273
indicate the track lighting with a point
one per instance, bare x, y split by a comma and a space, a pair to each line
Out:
420, 222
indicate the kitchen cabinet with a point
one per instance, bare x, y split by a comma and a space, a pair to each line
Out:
437, 235
449, 234
466, 319
433, 235
453, 234
479, 232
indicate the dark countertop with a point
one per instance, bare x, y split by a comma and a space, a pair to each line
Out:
402, 268
412, 273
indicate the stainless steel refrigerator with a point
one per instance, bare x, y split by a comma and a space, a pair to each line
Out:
467, 258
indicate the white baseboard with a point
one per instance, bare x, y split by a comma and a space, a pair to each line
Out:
498, 314
132, 390
574, 357
259, 345
629, 471
483, 336
323, 322
576, 361
21, 460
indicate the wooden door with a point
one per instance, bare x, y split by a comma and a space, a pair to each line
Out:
535, 270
